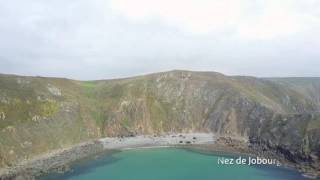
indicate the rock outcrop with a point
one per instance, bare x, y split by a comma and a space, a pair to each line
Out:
279, 114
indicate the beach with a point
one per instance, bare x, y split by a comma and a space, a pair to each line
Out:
59, 160
156, 141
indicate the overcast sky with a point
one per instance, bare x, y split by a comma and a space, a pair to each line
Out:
101, 39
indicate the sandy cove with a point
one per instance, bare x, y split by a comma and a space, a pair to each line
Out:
156, 141
59, 160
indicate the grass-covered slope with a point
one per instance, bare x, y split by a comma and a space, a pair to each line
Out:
41, 114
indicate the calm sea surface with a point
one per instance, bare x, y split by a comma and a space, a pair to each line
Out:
169, 164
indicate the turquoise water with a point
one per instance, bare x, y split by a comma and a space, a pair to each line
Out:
169, 164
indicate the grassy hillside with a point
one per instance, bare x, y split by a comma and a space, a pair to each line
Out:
41, 114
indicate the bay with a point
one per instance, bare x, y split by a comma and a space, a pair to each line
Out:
169, 164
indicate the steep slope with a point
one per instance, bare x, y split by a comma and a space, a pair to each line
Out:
308, 87
41, 114
38, 115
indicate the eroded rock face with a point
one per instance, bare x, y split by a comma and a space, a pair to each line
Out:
54, 90
2, 116
276, 114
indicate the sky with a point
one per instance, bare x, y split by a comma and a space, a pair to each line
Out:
103, 39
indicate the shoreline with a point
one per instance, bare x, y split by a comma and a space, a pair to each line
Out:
54, 161
59, 160
161, 140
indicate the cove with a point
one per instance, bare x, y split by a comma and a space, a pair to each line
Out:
168, 164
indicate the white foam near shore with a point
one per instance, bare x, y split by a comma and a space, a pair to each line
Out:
161, 140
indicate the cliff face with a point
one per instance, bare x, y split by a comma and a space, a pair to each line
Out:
42, 114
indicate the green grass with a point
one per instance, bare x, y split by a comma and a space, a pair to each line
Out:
89, 88
157, 112
19, 111
125, 122
86, 107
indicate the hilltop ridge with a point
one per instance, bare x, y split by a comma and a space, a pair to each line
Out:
39, 114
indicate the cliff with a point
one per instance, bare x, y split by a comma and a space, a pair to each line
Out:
40, 114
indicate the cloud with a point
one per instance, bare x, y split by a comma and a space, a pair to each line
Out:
255, 20
196, 16
94, 39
